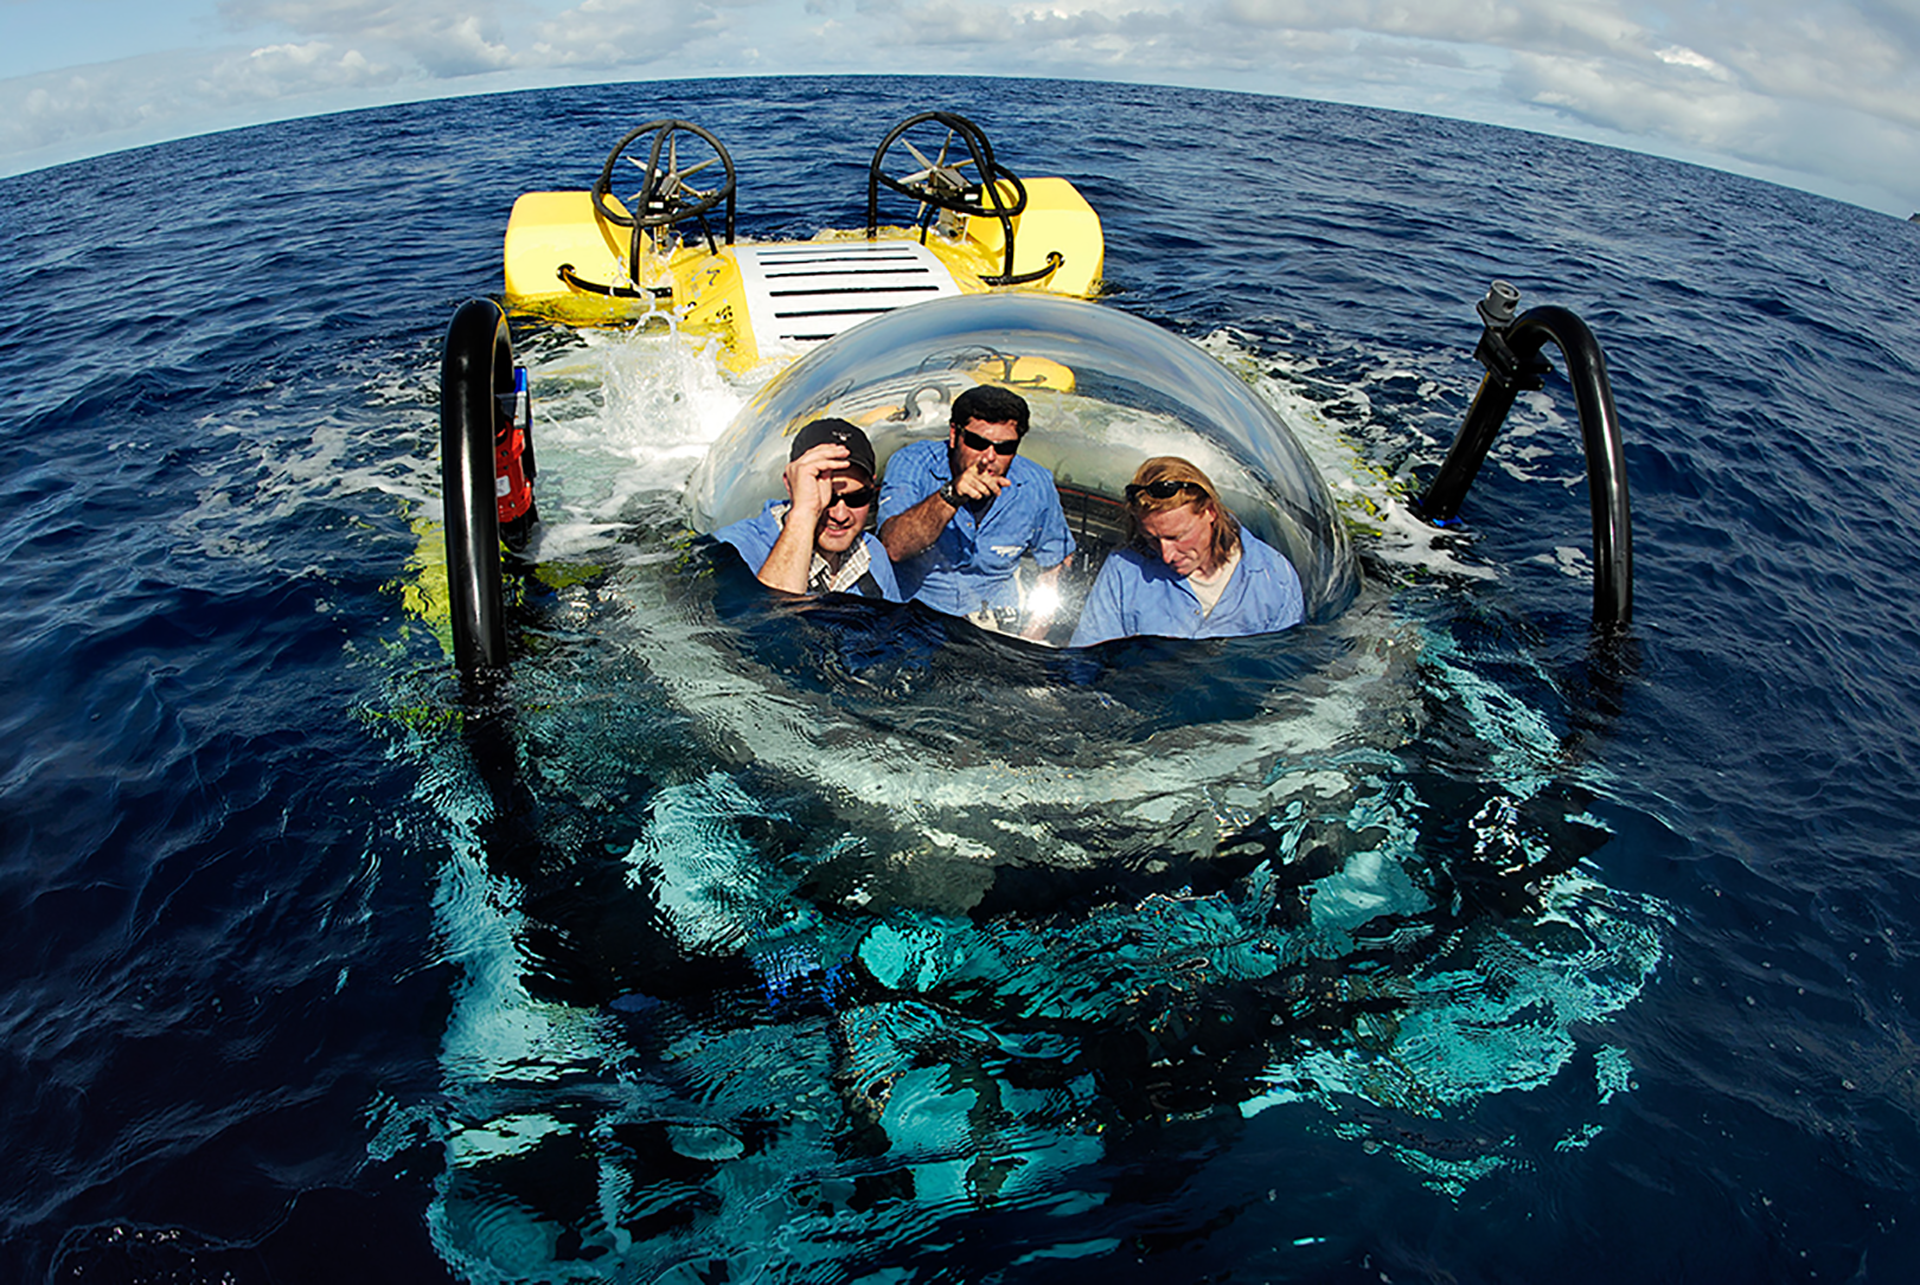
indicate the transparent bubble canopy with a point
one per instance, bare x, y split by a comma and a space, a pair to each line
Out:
1107, 390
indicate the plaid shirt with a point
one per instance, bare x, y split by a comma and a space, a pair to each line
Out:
823, 579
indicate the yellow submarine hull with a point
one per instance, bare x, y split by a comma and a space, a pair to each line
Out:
556, 241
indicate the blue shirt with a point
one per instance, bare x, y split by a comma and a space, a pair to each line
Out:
972, 562
754, 538
1137, 594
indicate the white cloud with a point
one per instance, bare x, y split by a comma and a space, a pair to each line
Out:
607, 34
1809, 136
441, 39
276, 70
122, 99
1677, 56
1830, 90
1621, 98
1544, 24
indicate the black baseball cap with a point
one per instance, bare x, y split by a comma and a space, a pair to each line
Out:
840, 433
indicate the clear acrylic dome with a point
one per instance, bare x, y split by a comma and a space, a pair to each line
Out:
1107, 390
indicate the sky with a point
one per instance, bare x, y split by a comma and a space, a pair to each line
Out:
1816, 94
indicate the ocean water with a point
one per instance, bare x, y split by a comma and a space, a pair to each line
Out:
1458, 943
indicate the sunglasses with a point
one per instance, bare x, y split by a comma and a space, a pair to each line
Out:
979, 443
1163, 490
859, 499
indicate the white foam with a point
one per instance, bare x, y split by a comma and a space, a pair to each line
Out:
1376, 505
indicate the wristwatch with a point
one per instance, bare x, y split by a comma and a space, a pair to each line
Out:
948, 494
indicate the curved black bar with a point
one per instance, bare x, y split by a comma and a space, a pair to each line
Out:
1511, 352
988, 204
572, 278
1055, 262
978, 149
476, 369
1004, 214
663, 131
569, 277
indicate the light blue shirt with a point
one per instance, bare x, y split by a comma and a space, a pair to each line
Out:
971, 564
1138, 595
754, 538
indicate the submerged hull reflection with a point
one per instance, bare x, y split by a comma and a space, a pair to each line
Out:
757, 1020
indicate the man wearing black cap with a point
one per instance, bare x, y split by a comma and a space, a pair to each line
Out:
816, 540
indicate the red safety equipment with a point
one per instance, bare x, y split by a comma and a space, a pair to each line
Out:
512, 491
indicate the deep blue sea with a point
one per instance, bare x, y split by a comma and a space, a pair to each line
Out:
1478, 947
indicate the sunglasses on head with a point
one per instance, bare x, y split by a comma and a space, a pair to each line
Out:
859, 499
1161, 490
979, 443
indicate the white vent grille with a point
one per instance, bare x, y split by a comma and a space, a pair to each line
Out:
803, 293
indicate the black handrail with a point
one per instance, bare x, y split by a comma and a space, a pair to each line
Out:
1510, 349
476, 370
567, 274
1055, 262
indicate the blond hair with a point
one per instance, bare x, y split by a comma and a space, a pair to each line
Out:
1173, 469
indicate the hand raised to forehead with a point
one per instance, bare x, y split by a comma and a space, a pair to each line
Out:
810, 478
